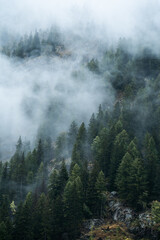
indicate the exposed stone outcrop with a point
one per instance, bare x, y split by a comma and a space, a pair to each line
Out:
140, 224
118, 211
91, 223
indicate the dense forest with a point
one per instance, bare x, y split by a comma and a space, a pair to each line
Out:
49, 189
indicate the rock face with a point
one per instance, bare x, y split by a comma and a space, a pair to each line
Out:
139, 224
118, 211
91, 223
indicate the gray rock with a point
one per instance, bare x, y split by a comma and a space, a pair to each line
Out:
91, 223
113, 194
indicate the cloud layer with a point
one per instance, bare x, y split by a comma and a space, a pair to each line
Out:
28, 88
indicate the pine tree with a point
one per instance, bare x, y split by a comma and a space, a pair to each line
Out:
75, 159
19, 222
72, 135
80, 152
138, 194
156, 188
100, 118
61, 147
4, 232
48, 150
132, 149
4, 179
73, 206
40, 153
57, 218
92, 129
36, 42
100, 187
116, 111
19, 146
41, 179
42, 227
4, 208
119, 149
131, 180
123, 176
63, 177
21, 174
91, 198
27, 215
54, 186
114, 130
151, 162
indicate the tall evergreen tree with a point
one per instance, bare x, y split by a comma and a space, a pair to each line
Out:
100, 187
151, 162
73, 206
119, 149
72, 135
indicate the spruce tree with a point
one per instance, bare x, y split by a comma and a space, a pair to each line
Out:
40, 153
138, 195
151, 162
92, 129
122, 180
73, 206
119, 149
72, 135
100, 187
91, 199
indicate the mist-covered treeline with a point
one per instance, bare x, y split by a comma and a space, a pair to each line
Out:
41, 43
48, 190
38, 88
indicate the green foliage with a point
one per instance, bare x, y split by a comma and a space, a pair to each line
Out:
35, 45
102, 156
61, 147
155, 211
131, 180
4, 232
151, 162
119, 149
72, 135
93, 65
100, 187
73, 204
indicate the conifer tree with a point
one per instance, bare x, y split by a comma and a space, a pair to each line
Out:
57, 218
91, 198
72, 135
119, 149
100, 187
63, 176
151, 162
100, 149
4, 179
48, 150
80, 153
42, 227
92, 129
73, 205
123, 176
40, 153
4, 231
19, 146
100, 118
27, 217
53, 187
138, 195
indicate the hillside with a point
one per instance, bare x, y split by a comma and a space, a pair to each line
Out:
50, 186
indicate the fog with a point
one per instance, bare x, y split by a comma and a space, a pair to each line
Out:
117, 18
29, 88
